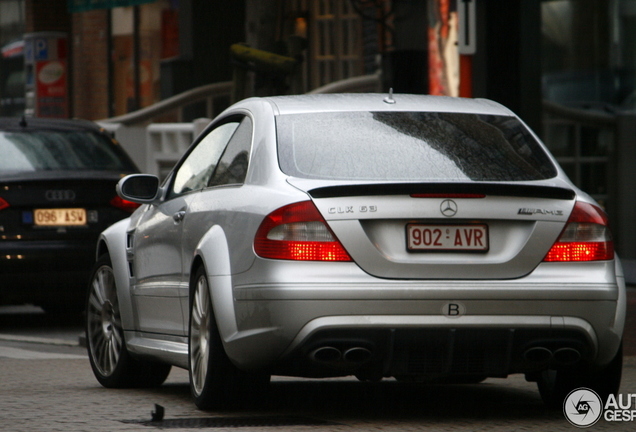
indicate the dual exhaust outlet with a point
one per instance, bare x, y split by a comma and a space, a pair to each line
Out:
561, 356
359, 355
331, 354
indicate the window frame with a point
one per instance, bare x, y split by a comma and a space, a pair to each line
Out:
170, 192
235, 139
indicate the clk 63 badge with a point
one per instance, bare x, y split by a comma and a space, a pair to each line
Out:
352, 209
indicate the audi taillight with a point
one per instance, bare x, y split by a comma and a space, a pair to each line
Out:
123, 204
298, 232
586, 237
3, 204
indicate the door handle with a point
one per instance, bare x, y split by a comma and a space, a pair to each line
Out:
178, 216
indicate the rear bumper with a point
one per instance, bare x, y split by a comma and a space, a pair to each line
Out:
505, 327
425, 348
45, 272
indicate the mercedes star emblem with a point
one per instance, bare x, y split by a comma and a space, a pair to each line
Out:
448, 208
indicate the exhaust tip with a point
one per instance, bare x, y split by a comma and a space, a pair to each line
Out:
357, 355
538, 355
567, 356
325, 354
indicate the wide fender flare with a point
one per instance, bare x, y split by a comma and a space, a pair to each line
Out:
621, 304
214, 252
610, 340
113, 241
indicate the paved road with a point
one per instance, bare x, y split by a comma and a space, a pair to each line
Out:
59, 393
46, 385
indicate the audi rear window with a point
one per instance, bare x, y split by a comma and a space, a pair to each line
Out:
409, 146
59, 151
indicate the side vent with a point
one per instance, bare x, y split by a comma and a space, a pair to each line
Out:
129, 253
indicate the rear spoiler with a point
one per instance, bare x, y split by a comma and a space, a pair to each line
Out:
521, 190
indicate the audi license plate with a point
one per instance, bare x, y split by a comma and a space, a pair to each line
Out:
59, 217
453, 238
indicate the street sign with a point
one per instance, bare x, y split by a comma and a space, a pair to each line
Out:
40, 49
467, 40
46, 74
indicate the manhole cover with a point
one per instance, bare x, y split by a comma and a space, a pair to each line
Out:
231, 422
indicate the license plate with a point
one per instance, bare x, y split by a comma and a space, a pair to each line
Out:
453, 238
59, 217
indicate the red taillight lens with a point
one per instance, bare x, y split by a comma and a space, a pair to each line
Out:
123, 204
298, 232
3, 204
586, 237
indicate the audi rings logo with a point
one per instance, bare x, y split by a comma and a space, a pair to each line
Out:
448, 208
583, 407
59, 195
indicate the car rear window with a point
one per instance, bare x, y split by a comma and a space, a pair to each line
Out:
59, 151
408, 146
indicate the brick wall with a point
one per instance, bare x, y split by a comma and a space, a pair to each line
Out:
88, 52
90, 64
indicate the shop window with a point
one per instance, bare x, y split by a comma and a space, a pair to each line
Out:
12, 27
337, 41
588, 74
142, 36
333, 30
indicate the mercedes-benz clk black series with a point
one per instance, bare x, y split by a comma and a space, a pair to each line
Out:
418, 238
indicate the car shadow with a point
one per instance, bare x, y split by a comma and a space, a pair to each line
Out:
350, 401
391, 400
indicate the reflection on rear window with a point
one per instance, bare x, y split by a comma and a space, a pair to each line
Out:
409, 146
58, 151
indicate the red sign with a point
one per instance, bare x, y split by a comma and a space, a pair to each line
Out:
52, 91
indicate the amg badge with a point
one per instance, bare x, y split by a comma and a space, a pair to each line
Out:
532, 211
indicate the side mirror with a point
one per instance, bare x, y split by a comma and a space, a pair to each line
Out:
139, 188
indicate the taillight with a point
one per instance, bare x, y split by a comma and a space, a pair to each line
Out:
298, 232
586, 237
123, 204
3, 204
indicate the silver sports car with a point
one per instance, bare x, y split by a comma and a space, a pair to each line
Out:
416, 237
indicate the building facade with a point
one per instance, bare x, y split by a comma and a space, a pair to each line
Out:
566, 67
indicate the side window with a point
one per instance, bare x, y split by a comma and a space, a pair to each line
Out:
195, 172
232, 168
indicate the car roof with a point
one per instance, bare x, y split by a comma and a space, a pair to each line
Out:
383, 102
18, 124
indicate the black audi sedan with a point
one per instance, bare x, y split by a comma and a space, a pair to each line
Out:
57, 193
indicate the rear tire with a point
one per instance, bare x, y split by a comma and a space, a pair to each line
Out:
214, 381
112, 364
555, 385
